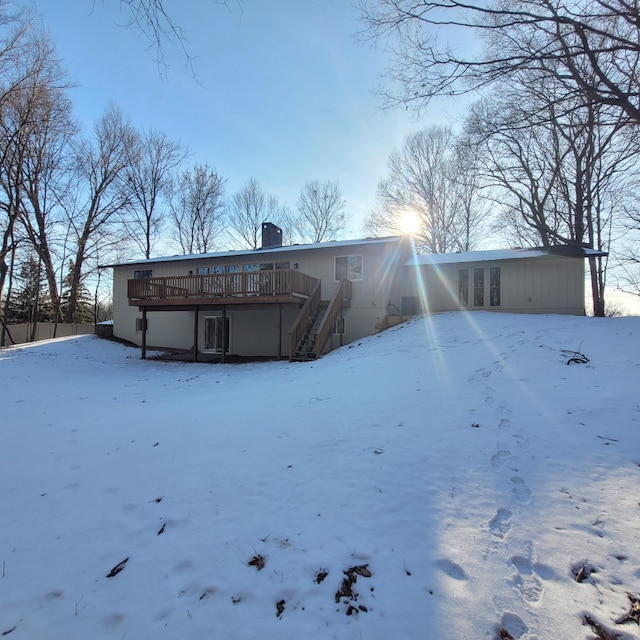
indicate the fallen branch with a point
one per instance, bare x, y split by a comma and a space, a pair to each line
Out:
599, 630
633, 615
575, 357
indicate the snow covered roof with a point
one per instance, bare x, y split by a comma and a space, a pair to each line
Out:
257, 252
495, 255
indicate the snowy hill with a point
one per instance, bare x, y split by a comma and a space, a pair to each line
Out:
446, 479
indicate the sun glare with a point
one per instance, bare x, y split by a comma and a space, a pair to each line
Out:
409, 223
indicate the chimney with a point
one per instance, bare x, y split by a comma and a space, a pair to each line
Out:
271, 235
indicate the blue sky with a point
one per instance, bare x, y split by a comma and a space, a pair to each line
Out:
284, 93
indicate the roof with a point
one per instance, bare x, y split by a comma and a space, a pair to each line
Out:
495, 255
261, 252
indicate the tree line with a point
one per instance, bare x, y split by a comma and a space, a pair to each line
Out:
70, 202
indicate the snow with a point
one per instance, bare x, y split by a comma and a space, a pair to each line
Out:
457, 458
255, 252
475, 256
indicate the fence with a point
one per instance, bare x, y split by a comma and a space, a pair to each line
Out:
44, 331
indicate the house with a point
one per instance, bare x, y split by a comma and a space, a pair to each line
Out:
300, 301
274, 302
549, 280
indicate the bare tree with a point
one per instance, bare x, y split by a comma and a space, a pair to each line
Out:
46, 176
249, 208
105, 193
152, 20
591, 48
26, 71
430, 182
149, 174
197, 205
557, 174
321, 214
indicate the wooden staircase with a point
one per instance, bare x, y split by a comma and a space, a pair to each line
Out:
306, 348
311, 332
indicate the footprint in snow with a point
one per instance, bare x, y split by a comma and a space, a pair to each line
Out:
521, 441
514, 625
452, 569
499, 458
500, 523
521, 492
527, 582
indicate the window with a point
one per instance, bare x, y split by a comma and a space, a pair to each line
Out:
478, 287
141, 274
339, 326
349, 267
202, 271
224, 268
250, 267
494, 286
139, 325
266, 266
283, 265
463, 287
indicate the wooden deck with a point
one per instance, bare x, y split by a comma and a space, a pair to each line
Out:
246, 288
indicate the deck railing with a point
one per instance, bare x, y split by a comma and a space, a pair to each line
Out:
221, 285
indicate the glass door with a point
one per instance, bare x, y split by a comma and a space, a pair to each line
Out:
212, 334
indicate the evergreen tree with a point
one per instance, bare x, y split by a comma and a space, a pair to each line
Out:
29, 301
83, 311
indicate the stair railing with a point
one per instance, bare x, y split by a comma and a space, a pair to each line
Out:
341, 298
307, 312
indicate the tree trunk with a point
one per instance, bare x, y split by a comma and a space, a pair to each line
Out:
597, 286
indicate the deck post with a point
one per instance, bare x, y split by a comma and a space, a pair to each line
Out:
144, 333
195, 333
224, 332
280, 331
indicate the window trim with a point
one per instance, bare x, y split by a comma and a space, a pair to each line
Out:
463, 300
479, 289
493, 288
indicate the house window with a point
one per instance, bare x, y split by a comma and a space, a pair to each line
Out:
478, 287
202, 271
141, 274
139, 325
463, 287
494, 286
339, 326
213, 334
224, 268
349, 267
250, 267
283, 265
266, 266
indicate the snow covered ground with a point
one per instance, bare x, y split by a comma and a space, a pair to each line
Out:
446, 479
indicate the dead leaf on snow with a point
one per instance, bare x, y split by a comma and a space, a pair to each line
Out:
257, 561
